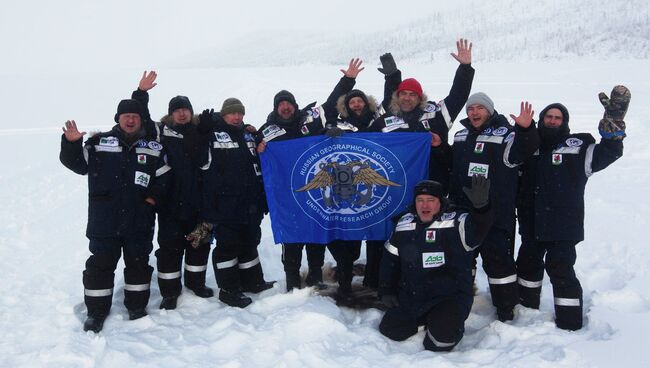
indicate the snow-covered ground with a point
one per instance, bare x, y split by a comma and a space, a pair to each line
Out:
43, 249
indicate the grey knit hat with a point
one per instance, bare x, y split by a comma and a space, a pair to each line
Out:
232, 105
480, 98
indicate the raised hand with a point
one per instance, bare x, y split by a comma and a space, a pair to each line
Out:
388, 65
353, 69
148, 80
70, 131
464, 55
525, 117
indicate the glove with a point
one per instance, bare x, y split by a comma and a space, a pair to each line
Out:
333, 132
479, 193
205, 120
199, 234
612, 125
388, 66
612, 129
616, 106
390, 300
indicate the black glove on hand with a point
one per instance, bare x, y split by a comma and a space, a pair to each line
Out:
205, 120
390, 300
479, 193
388, 65
612, 125
333, 132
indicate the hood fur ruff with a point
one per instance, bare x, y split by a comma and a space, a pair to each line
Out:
169, 120
394, 107
343, 111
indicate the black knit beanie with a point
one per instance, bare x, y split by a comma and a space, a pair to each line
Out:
128, 106
284, 95
179, 102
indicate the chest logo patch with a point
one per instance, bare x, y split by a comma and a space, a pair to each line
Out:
479, 147
142, 159
430, 236
142, 178
478, 169
556, 158
304, 130
433, 259
109, 141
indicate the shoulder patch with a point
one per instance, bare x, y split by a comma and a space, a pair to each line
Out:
574, 142
432, 107
409, 217
141, 143
314, 112
155, 146
487, 131
447, 216
500, 131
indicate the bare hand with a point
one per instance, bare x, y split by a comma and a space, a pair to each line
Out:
261, 147
464, 55
148, 80
150, 200
525, 117
436, 141
353, 69
251, 129
71, 132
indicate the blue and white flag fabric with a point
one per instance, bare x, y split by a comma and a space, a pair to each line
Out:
321, 189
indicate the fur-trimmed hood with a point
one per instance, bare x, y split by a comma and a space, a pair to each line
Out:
169, 121
394, 107
342, 109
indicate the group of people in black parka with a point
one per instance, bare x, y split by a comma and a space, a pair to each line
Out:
201, 174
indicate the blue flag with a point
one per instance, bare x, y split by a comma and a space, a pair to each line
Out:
321, 189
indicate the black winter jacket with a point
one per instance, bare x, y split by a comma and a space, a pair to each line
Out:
120, 177
425, 263
233, 190
551, 203
496, 150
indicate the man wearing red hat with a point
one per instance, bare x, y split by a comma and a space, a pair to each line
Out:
410, 110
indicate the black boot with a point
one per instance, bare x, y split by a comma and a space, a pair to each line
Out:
315, 278
293, 280
137, 313
169, 302
234, 298
505, 314
94, 323
202, 291
258, 288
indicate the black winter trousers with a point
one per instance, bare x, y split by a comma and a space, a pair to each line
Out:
499, 265
558, 258
98, 277
374, 250
169, 256
345, 252
235, 259
292, 256
445, 325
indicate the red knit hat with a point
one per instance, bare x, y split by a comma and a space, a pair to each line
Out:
412, 85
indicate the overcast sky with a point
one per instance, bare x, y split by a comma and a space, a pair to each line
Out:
88, 35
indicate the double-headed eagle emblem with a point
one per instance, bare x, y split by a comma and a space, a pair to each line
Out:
344, 181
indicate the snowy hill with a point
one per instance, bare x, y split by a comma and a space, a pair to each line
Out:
506, 31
